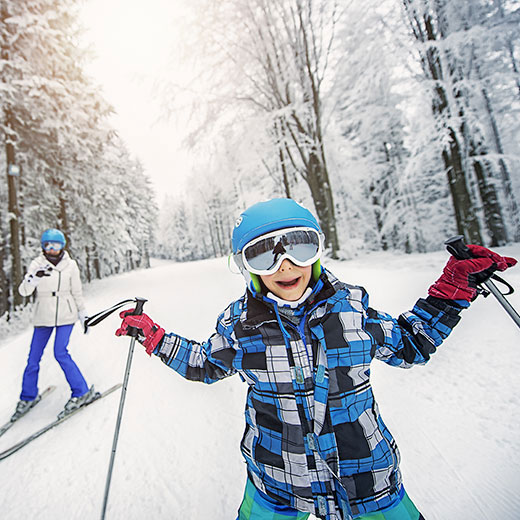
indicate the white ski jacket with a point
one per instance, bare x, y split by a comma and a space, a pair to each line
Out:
59, 296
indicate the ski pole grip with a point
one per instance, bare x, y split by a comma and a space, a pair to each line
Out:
139, 304
458, 248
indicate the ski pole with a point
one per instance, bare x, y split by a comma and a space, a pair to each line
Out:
133, 333
457, 247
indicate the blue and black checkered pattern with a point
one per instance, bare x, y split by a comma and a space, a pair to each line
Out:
314, 439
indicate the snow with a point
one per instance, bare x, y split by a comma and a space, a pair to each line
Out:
456, 420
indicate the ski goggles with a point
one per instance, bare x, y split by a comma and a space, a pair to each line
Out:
55, 246
264, 255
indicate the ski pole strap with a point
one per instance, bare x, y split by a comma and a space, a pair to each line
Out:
510, 288
100, 316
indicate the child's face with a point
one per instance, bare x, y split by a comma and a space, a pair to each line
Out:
289, 282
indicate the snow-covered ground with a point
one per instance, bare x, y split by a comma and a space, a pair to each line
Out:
456, 420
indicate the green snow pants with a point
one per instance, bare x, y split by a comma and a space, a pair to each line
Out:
258, 506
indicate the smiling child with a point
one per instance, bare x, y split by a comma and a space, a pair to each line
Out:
303, 341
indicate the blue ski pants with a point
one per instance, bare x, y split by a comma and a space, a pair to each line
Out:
41, 336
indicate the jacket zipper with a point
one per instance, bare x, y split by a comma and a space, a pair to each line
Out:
322, 508
300, 329
57, 299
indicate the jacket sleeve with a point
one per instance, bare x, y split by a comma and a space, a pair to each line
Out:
76, 288
206, 362
415, 335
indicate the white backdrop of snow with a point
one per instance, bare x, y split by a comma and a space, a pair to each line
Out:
456, 420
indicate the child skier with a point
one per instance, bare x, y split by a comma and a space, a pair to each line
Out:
303, 341
59, 303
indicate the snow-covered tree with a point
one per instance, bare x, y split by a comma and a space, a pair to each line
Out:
413, 125
369, 91
73, 171
454, 46
268, 61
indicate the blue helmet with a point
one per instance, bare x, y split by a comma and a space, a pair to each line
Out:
264, 217
53, 235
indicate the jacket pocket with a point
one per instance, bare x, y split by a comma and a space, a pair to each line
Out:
66, 310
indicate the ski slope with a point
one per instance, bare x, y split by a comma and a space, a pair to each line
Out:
456, 420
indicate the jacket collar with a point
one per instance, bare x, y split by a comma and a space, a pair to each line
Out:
62, 264
259, 309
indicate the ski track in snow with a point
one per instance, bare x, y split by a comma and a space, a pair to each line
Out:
456, 421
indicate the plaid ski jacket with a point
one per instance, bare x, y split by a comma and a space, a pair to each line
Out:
314, 438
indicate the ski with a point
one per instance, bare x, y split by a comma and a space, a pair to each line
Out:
10, 423
13, 449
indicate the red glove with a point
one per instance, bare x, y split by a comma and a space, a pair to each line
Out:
149, 333
460, 278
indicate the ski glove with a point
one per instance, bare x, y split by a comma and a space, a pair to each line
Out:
45, 271
35, 277
82, 317
460, 278
149, 333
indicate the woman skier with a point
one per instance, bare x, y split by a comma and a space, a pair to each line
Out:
54, 275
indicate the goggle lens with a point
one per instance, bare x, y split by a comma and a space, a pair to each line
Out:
56, 246
300, 245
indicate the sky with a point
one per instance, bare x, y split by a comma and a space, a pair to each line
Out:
130, 42
455, 420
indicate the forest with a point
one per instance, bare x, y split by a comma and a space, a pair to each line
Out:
65, 166
394, 121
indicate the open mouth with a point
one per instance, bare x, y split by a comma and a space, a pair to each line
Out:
289, 284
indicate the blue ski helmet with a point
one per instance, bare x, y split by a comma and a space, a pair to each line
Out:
264, 217
53, 235
272, 215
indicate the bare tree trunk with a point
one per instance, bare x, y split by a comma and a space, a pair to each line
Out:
324, 201
282, 158
291, 42
378, 211
87, 264
512, 204
285, 177
14, 222
465, 216
95, 262
4, 283
509, 45
491, 206
218, 232
426, 29
146, 256
319, 185
514, 65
